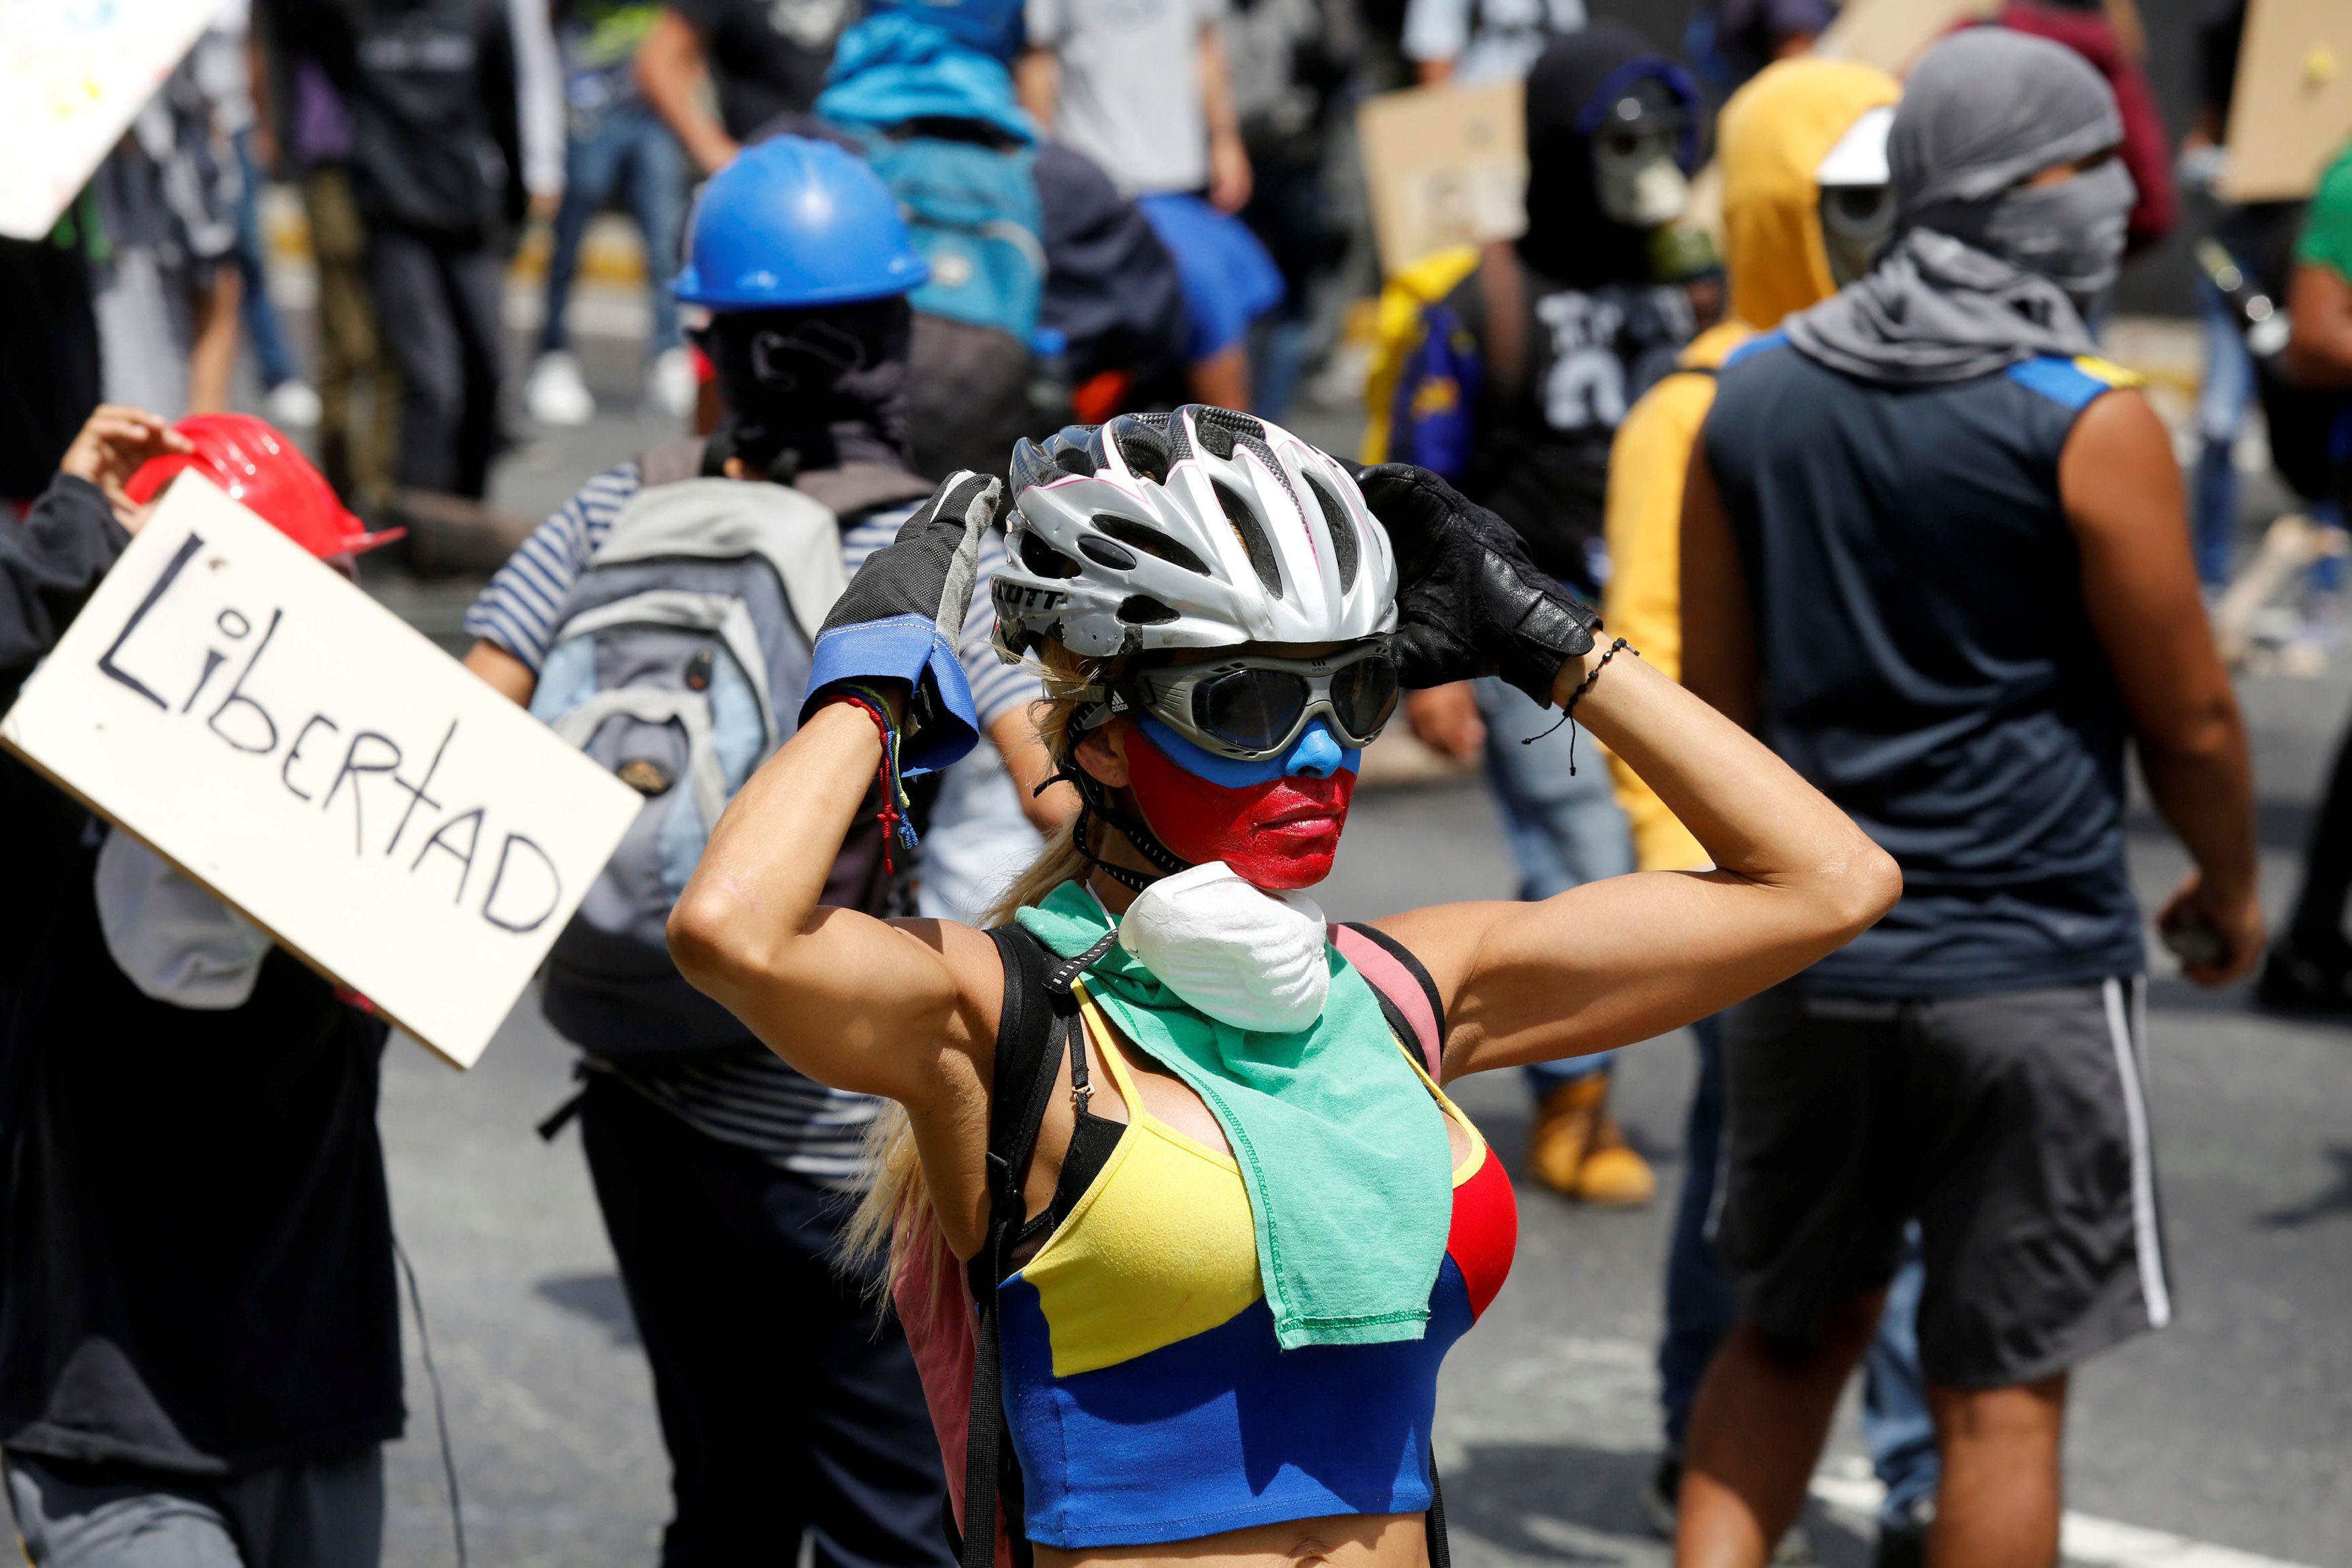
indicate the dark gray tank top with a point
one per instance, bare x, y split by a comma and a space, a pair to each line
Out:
1928, 663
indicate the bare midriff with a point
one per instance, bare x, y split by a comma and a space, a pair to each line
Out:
1346, 1540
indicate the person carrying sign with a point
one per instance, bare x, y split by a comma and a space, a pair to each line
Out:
200, 1339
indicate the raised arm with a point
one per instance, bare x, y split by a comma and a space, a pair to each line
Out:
1621, 960
889, 1008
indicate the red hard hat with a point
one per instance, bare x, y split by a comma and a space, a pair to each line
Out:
267, 473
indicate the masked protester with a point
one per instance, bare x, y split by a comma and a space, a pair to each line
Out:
1806, 207
200, 1352
1521, 375
1934, 555
722, 1170
1223, 1112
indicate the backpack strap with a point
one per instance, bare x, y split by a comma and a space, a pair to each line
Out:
1039, 1021
1408, 995
1409, 998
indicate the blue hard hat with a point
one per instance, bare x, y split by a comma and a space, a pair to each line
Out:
792, 223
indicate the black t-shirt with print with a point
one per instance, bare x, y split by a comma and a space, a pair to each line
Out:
768, 57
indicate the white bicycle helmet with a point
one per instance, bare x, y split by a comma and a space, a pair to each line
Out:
1202, 528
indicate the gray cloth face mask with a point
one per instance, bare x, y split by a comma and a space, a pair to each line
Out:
1985, 269
2071, 232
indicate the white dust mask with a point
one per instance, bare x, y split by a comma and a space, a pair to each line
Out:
1243, 955
176, 943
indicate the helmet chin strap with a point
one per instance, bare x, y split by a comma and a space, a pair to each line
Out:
1095, 801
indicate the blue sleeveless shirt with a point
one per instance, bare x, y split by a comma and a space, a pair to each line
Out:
1928, 664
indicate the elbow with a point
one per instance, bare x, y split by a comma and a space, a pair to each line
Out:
1864, 886
707, 942
2213, 731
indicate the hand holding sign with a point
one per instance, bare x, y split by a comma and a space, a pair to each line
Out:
292, 745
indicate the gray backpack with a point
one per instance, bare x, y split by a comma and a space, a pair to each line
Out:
680, 663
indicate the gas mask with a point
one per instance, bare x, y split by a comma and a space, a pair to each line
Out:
1857, 199
1637, 169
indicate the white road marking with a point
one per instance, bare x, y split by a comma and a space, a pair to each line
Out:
2093, 1542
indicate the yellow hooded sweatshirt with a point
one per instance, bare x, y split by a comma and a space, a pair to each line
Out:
1771, 136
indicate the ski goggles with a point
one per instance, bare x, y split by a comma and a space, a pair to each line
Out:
1252, 706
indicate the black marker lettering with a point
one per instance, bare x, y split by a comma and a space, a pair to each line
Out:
236, 696
214, 660
106, 665
353, 767
498, 878
230, 613
286, 768
417, 794
464, 862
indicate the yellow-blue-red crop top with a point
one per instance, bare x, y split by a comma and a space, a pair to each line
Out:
1147, 1399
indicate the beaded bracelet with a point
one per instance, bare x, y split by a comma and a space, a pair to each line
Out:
1567, 708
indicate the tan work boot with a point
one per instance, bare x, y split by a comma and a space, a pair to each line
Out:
1576, 1149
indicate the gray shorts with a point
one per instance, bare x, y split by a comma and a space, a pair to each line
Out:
325, 1514
2013, 1126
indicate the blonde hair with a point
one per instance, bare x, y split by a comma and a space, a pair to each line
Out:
895, 1209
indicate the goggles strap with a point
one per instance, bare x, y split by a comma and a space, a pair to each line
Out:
1095, 803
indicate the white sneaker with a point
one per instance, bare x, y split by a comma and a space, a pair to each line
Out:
555, 393
292, 405
670, 385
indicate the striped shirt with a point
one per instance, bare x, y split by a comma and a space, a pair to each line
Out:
749, 1098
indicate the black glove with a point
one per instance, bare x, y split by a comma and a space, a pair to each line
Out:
901, 619
1469, 601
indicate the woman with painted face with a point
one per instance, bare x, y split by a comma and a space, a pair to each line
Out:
1190, 1143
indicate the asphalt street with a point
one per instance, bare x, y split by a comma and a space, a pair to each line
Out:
2231, 1427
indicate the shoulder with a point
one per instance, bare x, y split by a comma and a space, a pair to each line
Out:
1763, 346
2071, 384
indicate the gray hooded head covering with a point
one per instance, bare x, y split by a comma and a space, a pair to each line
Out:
1984, 273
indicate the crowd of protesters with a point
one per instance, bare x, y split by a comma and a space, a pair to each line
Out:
1848, 465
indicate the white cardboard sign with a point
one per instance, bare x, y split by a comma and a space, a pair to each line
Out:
265, 725
73, 76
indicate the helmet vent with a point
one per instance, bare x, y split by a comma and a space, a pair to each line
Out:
1150, 541
1045, 559
1075, 460
1251, 533
1218, 428
1343, 532
1146, 452
1142, 610
1102, 552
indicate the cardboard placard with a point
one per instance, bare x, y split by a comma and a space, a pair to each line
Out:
1446, 165
252, 717
2292, 111
73, 75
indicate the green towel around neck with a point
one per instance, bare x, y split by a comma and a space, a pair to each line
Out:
1342, 1149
